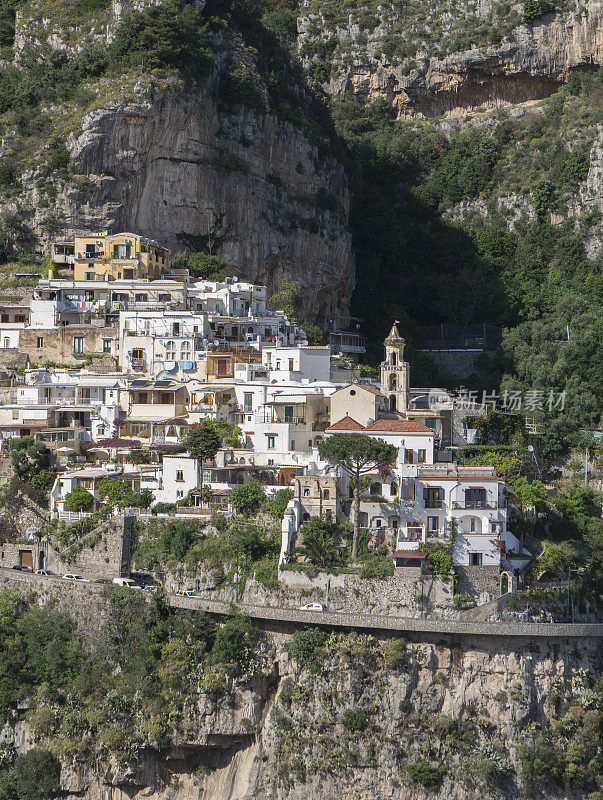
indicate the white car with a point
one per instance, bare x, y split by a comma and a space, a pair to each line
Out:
312, 607
185, 593
71, 576
45, 572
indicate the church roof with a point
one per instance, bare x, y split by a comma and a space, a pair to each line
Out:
394, 334
365, 386
346, 424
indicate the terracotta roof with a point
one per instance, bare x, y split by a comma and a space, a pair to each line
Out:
346, 424
399, 426
366, 386
419, 554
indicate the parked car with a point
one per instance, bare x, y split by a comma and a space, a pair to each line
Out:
103, 580
45, 572
130, 582
21, 568
186, 592
312, 607
72, 576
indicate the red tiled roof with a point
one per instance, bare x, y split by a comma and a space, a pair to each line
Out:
366, 386
419, 554
346, 424
399, 426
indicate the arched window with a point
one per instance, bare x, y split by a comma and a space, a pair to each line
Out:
393, 359
326, 494
393, 382
306, 493
185, 347
170, 351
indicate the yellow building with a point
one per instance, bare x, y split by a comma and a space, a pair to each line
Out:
121, 256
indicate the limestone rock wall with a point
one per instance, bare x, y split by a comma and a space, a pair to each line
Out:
528, 64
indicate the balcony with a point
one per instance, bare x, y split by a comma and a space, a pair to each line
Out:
413, 533
137, 363
434, 503
475, 504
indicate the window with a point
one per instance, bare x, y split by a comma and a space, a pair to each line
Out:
271, 440
165, 398
180, 493
78, 344
293, 444
6, 342
326, 494
290, 365
476, 559
433, 524
475, 498
90, 276
185, 348
106, 345
433, 497
20, 318
179, 475
306, 493
422, 456
40, 342
248, 401
122, 250
176, 328
170, 351
408, 456
309, 442
288, 413
411, 490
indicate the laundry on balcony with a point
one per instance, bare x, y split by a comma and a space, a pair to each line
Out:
187, 365
170, 366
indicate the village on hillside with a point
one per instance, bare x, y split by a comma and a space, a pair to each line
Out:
135, 391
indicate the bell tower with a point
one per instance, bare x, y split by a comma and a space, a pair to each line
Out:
395, 372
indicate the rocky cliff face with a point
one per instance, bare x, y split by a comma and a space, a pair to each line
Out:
169, 159
354, 725
172, 167
416, 63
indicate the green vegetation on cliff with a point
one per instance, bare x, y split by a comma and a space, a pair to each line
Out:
503, 260
135, 688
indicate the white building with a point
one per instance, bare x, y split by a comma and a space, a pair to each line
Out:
57, 301
171, 343
297, 364
63, 400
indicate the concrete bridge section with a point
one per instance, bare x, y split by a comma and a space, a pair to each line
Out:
69, 591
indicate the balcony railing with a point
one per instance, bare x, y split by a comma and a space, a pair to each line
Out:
474, 504
433, 503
